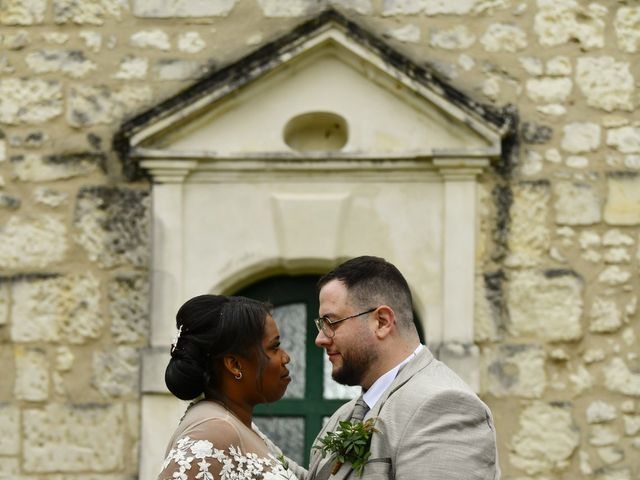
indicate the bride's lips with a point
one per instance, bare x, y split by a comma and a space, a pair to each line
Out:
286, 377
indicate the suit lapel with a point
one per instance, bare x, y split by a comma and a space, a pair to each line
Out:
316, 457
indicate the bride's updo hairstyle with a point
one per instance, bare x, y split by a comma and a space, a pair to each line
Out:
212, 326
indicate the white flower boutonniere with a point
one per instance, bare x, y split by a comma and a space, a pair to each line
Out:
351, 442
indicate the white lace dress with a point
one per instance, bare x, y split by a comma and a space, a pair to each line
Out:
212, 444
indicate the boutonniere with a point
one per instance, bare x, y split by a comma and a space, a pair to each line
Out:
351, 443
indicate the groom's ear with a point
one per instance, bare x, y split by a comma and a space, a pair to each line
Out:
385, 321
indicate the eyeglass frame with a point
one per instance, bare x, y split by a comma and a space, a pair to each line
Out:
322, 321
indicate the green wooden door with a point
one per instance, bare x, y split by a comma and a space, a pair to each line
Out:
295, 420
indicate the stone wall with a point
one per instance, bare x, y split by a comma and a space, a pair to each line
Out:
557, 287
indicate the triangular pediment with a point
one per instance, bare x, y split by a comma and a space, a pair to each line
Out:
328, 89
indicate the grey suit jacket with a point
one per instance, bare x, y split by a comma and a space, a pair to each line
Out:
432, 427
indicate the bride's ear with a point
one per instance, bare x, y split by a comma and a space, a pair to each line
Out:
232, 365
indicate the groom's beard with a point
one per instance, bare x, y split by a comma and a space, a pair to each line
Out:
355, 364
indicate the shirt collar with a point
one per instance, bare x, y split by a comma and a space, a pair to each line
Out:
376, 390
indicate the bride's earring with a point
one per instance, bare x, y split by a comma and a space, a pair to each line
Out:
238, 376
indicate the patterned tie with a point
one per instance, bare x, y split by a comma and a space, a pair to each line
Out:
357, 415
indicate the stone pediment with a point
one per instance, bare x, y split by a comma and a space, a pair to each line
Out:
327, 90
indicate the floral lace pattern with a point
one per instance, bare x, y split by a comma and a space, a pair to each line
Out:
232, 465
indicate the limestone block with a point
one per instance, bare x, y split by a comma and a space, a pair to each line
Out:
589, 239
632, 162
624, 139
441, 7
71, 438
577, 161
614, 275
603, 435
546, 440
516, 370
292, 8
559, 66
617, 255
529, 235
532, 164
545, 305
157, 39
560, 21
610, 455
619, 378
503, 37
606, 83
55, 38
535, 133
88, 12
608, 473
113, 225
32, 242
22, 12
50, 197
627, 25
581, 137
623, 201
32, 374
581, 380
132, 68
128, 297
168, 69
92, 40
549, 90
64, 359
116, 373
533, 66
408, 34
4, 302
576, 204
631, 425
599, 412
489, 307
456, 38
10, 428
39, 168
9, 468
69, 62
593, 355
363, 7
56, 308
15, 40
100, 105
178, 8
29, 101
190, 42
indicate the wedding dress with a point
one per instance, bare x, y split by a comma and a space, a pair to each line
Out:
210, 443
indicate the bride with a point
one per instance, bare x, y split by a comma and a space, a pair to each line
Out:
228, 355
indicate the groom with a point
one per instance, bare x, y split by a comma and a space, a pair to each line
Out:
431, 425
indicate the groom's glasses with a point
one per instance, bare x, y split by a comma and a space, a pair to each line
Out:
326, 325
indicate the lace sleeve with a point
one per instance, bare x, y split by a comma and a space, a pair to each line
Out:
201, 459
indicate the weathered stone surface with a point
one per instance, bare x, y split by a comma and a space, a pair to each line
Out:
32, 243
64, 359
547, 306
69, 62
615, 238
599, 412
560, 21
29, 101
535, 134
617, 255
627, 25
631, 425
132, 68
624, 139
293, 8
15, 40
614, 275
607, 84
623, 200
532, 163
177, 8
546, 440
191, 42
581, 137
22, 12
516, 370
455, 38
489, 307
441, 7
559, 66
4, 302
581, 380
10, 428
610, 455
113, 225
157, 39
100, 105
577, 161
549, 90
38, 168
92, 40
128, 308
504, 37
577, 204
32, 374
116, 372
71, 438
605, 316
603, 435
532, 65
9, 202
57, 308
168, 69
593, 355
529, 236
87, 12
619, 378
408, 33
50, 197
